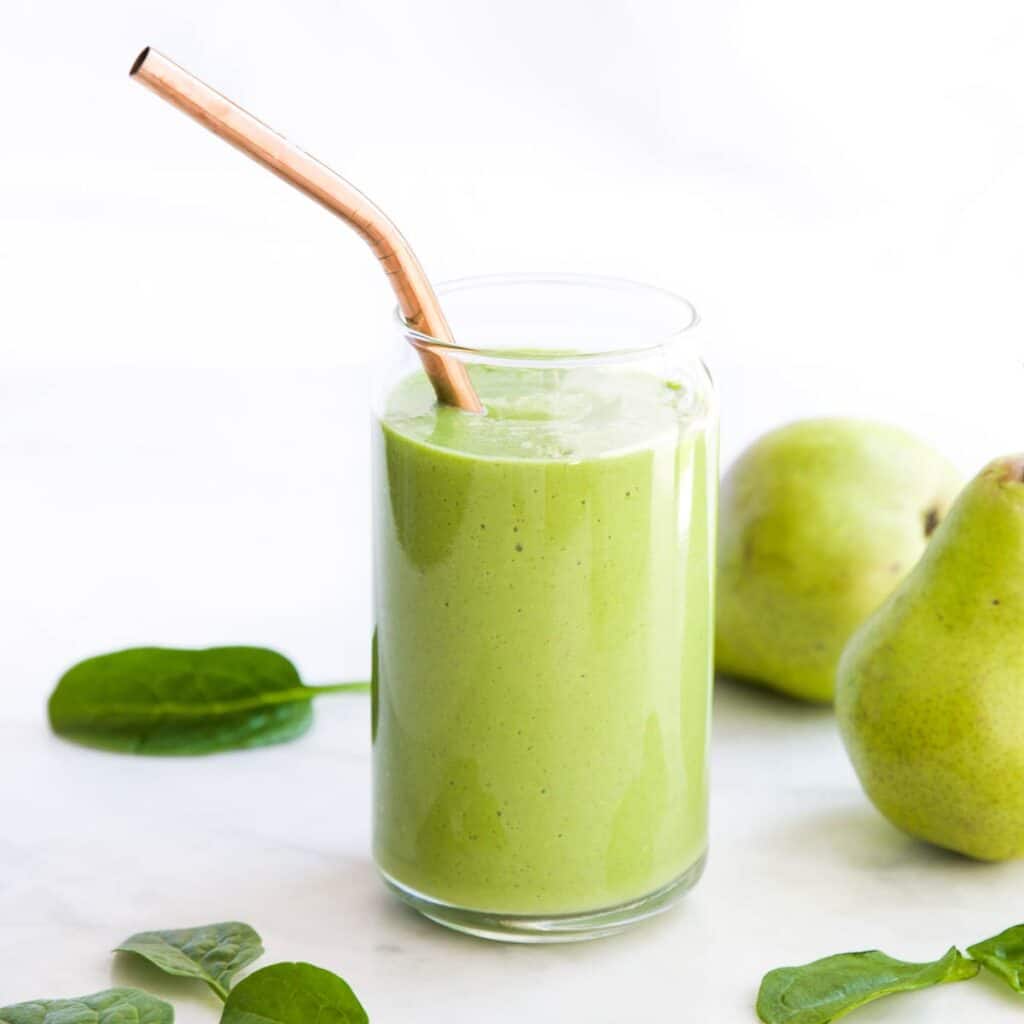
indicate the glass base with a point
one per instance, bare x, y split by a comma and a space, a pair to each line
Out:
592, 924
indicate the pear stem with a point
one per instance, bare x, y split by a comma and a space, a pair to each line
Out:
1014, 469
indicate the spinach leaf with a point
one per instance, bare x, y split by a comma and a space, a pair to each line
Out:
213, 953
825, 990
292, 994
1003, 955
115, 1006
157, 700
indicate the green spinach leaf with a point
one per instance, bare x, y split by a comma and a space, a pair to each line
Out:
213, 953
157, 700
1003, 955
293, 994
115, 1006
825, 990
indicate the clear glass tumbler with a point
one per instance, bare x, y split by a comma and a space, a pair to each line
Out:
544, 603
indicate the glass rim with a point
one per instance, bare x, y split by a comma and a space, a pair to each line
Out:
670, 337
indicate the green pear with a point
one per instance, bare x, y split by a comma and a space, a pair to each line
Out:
930, 691
820, 520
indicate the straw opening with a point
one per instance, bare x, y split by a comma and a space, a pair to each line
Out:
139, 61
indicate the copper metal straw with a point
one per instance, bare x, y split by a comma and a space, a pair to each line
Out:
416, 298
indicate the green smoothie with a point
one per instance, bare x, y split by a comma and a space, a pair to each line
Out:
543, 658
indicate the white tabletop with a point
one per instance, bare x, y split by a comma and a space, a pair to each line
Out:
210, 507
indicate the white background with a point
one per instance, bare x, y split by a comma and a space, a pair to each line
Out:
183, 352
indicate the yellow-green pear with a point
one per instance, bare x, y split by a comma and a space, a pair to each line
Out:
930, 692
820, 520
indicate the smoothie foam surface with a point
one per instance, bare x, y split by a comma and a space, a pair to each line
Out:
546, 414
